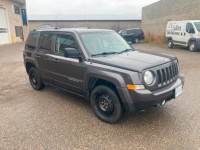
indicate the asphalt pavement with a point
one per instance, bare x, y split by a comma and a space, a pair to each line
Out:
54, 119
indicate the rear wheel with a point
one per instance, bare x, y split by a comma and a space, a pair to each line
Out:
193, 46
106, 104
170, 44
35, 80
137, 40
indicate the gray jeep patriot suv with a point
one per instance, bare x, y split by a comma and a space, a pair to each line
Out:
101, 67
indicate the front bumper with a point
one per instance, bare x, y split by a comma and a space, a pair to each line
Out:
137, 100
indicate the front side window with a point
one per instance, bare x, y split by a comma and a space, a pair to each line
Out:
197, 25
103, 42
124, 32
45, 41
65, 41
190, 28
16, 9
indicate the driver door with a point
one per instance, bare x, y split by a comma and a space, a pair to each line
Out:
190, 32
68, 73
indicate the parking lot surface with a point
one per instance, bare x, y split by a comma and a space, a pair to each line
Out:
54, 119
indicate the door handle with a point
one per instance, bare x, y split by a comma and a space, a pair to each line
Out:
56, 60
37, 55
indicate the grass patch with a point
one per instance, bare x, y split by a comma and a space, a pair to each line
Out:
154, 39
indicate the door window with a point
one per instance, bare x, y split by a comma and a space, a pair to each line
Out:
124, 32
19, 32
45, 41
190, 28
64, 41
131, 31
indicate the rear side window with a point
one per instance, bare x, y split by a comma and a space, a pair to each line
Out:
45, 41
131, 31
32, 39
135, 31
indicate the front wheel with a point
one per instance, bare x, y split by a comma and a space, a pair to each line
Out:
35, 80
193, 47
106, 104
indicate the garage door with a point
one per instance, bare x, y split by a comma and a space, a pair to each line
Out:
4, 34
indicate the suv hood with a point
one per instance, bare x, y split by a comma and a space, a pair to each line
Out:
134, 60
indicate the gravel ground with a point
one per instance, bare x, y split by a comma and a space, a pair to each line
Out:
54, 119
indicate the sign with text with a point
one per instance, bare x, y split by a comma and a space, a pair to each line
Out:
24, 18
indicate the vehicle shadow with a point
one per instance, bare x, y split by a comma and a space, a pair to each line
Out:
155, 117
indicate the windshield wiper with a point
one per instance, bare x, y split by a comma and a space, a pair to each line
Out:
105, 53
126, 50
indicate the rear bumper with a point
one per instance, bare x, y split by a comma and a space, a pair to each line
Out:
142, 38
144, 99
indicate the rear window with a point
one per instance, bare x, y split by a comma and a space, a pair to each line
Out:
32, 39
45, 41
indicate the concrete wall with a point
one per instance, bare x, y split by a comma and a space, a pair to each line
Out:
115, 25
156, 16
14, 19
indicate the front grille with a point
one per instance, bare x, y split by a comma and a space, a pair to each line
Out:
167, 75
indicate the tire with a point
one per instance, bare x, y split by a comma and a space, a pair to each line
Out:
170, 44
137, 40
193, 46
35, 80
106, 104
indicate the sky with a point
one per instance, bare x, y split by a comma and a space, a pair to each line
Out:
87, 6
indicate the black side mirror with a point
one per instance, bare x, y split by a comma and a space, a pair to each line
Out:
72, 53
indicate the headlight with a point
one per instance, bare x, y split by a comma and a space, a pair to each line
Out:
148, 77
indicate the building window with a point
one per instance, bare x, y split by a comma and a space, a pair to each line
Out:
16, 9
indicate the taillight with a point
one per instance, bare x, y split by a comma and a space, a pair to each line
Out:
143, 34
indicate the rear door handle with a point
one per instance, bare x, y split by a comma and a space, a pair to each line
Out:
56, 60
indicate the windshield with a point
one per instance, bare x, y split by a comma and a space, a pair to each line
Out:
104, 43
197, 24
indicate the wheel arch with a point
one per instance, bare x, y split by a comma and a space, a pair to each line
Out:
170, 39
191, 40
94, 82
29, 65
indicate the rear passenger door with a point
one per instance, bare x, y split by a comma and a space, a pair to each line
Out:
44, 47
67, 73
